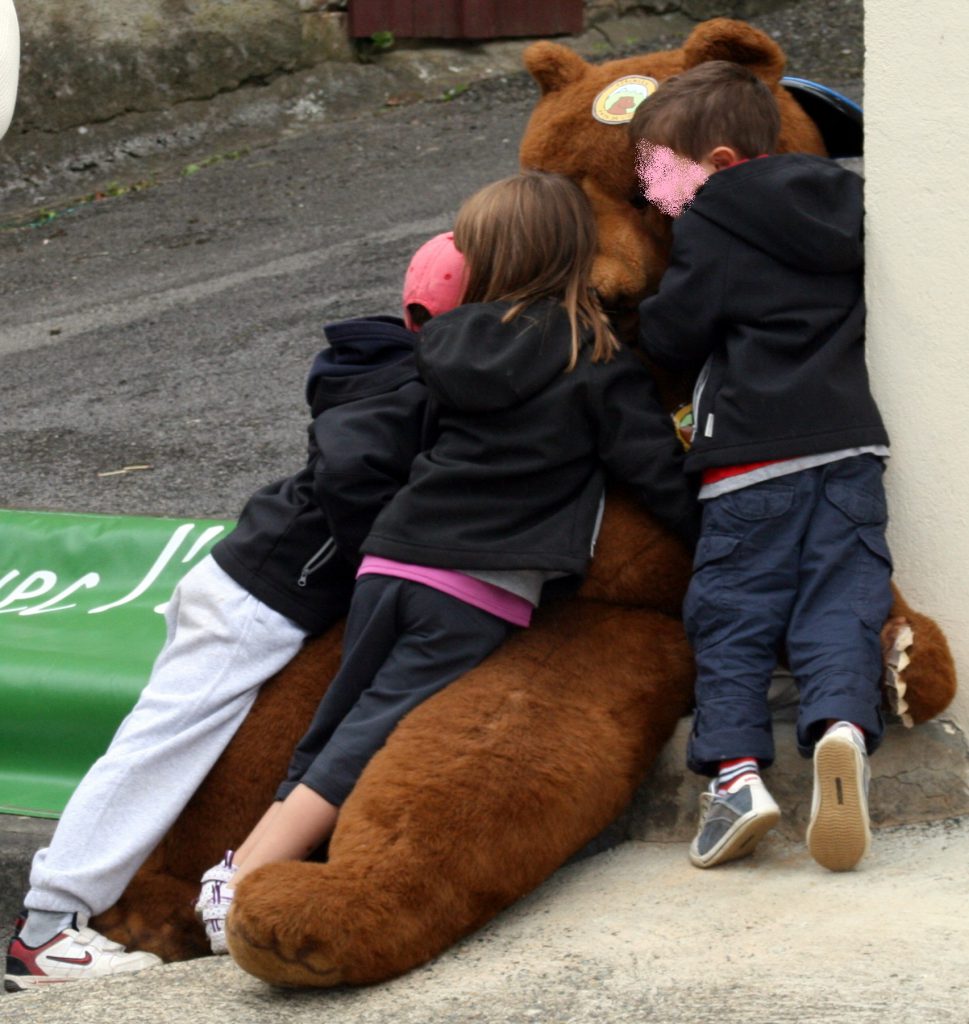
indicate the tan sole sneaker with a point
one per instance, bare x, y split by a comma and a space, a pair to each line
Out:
838, 835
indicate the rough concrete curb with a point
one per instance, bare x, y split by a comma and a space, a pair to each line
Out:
101, 149
253, 112
91, 62
918, 775
19, 838
633, 935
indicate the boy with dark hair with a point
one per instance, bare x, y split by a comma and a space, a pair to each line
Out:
764, 298
284, 573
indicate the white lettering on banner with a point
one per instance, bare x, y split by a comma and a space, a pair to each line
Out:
210, 534
87, 582
174, 542
41, 582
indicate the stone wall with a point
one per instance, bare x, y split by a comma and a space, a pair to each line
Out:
86, 61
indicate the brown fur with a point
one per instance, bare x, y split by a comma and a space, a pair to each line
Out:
477, 798
930, 680
492, 784
563, 136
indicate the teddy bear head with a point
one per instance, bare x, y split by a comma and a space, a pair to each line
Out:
580, 128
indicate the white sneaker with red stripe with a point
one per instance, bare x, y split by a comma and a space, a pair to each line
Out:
73, 954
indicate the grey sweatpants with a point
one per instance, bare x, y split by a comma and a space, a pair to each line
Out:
222, 645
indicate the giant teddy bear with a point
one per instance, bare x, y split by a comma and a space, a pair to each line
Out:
483, 791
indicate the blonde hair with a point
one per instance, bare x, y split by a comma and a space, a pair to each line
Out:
532, 237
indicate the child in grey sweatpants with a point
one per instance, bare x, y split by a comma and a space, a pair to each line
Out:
238, 617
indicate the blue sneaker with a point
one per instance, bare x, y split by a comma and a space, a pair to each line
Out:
732, 824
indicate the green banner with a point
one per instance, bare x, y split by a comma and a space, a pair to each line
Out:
82, 601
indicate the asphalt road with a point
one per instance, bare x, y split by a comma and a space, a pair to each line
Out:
172, 327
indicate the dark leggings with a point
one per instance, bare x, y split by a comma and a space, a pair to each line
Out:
403, 642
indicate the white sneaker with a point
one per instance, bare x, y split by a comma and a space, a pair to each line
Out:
71, 955
839, 835
215, 898
218, 874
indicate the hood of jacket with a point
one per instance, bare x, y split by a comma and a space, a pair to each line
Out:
471, 361
360, 346
805, 211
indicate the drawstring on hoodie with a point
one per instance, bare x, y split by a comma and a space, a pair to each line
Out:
318, 559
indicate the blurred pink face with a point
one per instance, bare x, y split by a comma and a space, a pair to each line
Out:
669, 181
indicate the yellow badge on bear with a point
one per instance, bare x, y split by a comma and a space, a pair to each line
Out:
617, 103
683, 424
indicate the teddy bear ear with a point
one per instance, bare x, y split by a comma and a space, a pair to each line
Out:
552, 65
726, 39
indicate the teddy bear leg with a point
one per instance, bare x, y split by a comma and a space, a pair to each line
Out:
477, 797
156, 913
928, 680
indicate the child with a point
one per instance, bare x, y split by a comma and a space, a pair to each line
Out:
765, 291
535, 397
284, 573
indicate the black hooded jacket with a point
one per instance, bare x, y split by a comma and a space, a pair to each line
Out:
765, 292
296, 544
514, 478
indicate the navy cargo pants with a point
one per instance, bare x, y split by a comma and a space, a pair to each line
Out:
798, 563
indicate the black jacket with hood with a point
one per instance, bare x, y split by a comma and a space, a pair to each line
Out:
515, 475
765, 292
296, 544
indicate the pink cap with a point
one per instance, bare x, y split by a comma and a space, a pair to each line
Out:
435, 277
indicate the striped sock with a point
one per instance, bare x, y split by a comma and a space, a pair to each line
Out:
731, 773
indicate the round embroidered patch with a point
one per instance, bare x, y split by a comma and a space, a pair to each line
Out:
617, 103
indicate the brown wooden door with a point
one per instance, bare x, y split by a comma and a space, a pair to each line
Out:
465, 19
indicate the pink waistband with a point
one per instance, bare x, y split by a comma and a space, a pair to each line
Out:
490, 598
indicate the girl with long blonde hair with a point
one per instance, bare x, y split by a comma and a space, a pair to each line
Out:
536, 400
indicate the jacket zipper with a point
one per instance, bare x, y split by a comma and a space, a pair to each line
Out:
317, 560
595, 530
699, 427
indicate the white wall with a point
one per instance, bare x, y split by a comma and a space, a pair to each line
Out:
917, 197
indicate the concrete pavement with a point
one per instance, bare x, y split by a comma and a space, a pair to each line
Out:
635, 934
638, 934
